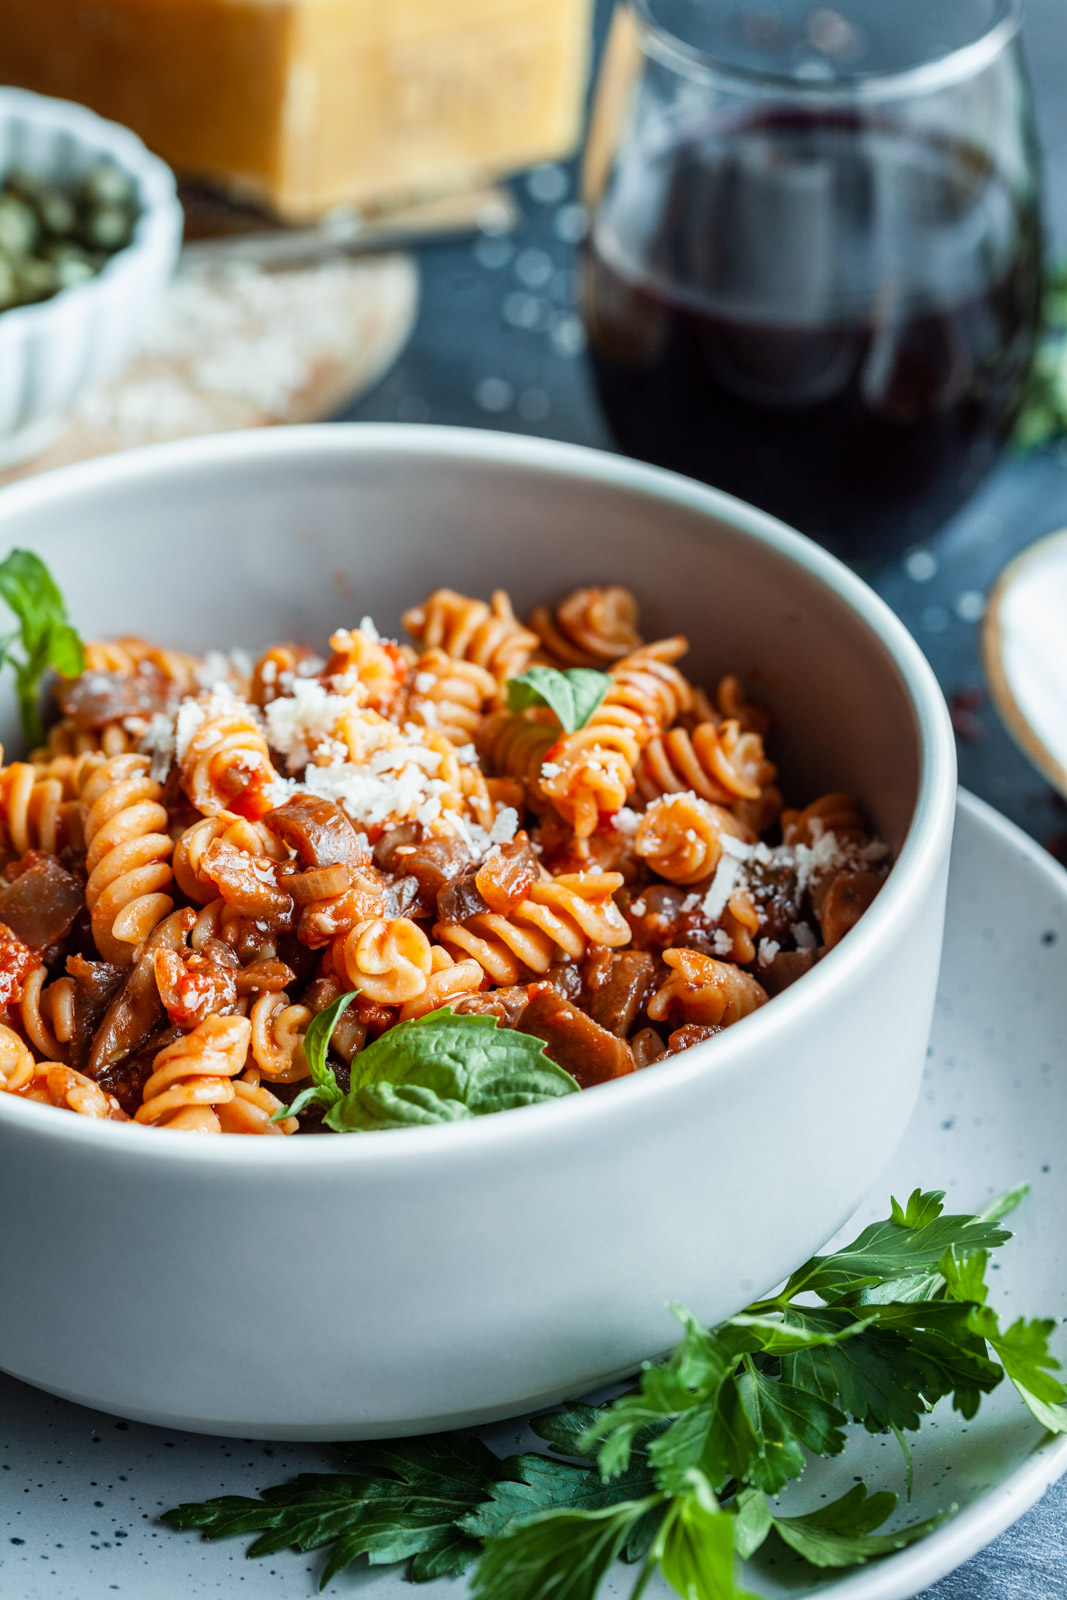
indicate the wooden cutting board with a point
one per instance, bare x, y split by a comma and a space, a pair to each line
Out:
240, 346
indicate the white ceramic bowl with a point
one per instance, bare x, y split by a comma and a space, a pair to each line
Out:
419, 1279
51, 352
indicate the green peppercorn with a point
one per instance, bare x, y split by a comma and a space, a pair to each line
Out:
37, 279
57, 212
106, 185
55, 234
106, 227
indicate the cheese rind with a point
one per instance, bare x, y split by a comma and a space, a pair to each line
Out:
307, 104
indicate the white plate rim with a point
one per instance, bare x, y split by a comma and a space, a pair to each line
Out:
908, 1573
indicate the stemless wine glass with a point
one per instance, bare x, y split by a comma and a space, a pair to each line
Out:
813, 274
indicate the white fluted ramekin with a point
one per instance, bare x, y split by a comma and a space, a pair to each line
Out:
51, 352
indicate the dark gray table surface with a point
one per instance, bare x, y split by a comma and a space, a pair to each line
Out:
498, 345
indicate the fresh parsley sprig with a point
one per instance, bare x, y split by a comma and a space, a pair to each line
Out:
437, 1068
44, 633
681, 1473
573, 695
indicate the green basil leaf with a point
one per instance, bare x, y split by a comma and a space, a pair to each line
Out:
405, 1105
464, 1062
573, 695
46, 635
324, 1089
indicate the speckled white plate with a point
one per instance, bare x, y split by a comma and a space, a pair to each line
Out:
993, 1112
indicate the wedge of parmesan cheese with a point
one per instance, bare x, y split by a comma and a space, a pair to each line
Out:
304, 105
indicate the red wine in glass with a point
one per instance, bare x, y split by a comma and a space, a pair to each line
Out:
832, 318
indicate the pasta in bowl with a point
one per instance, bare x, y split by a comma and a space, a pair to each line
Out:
600, 813
209, 852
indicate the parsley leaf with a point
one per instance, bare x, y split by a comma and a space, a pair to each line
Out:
675, 1472
443, 1068
573, 695
1023, 1352
44, 631
408, 1511
324, 1089
564, 1554
911, 1241
840, 1534
538, 1483
695, 1547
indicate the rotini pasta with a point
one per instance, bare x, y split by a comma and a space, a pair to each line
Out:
589, 627
208, 852
128, 856
490, 636
592, 772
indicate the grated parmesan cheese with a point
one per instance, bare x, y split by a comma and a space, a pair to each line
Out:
158, 741
767, 950
625, 821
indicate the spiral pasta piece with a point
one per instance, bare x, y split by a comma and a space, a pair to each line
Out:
72, 772
515, 744
278, 1030
718, 762
387, 959
31, 808
590, 773
734, 706
194, 842
490, 635
17, 1065
705, 991
448, 980
680, 836
128, 858
589, 627
65, 739
47, 1013
831, 813
67, 1090
192, 1076
225, 765
130, 655
372, 668
560, 917
449, 695
274, 671
252, 1108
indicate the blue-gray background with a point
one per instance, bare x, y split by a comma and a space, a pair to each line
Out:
498, 345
